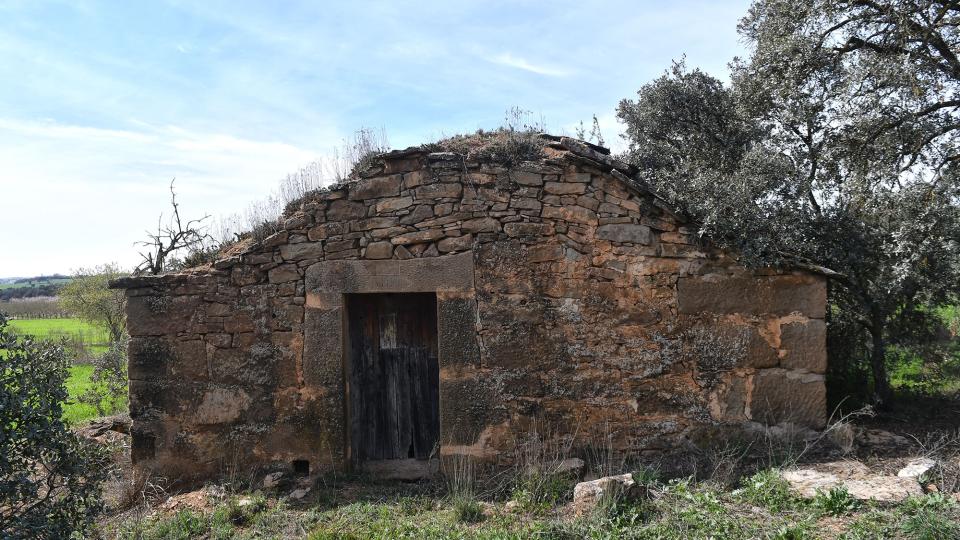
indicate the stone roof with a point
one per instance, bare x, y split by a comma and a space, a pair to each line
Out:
592, 154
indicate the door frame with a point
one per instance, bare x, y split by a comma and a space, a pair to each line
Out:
325, 352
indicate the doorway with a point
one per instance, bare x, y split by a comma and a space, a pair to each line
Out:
393, 379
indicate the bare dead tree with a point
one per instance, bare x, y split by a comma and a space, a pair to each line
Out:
176, 235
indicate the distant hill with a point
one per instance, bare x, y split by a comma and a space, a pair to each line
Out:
31, 287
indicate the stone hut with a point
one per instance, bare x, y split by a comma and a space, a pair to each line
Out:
445, 303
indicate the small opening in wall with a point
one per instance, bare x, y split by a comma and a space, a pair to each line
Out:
143, 446
301, 467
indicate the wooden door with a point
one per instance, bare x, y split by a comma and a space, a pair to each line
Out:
393, 376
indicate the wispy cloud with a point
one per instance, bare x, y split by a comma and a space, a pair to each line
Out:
507, 59
89, 193
103, 102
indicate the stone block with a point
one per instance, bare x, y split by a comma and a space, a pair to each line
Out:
458, 243
526, 178
480, 225
439, 191
418, 237
379, 222
759, 353
457, 331
545, 252
283, 273
628, 233
323, 348
397, 164
413, 179
339, 245
353, 276
564, 188
148, 358
781, 395
419, 214
221, 406
145, 398
805, 345
588, 202
528, 229
611, 186
379, 250
778, 295
324, 231
574, 176
390, 205
470, 405
302, 251
447, 273
162, 315
345, 210
728, 403
375, 188
525, 203
189, 360
572, 214
610, 208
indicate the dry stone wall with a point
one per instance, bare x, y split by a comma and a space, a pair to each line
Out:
568, 297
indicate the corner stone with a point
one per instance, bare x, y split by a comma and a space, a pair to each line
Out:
788, 396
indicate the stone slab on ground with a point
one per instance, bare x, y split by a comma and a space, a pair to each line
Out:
586, 495
917, 468
855, 477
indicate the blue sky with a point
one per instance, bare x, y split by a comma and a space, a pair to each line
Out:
102, 103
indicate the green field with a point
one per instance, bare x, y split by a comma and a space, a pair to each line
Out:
94, 340
78, 383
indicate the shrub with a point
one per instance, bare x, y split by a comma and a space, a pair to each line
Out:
929, 525
767, 489
835, 502
49, 478
108, 391
468, 510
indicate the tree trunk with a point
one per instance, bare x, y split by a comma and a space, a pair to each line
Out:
881, 386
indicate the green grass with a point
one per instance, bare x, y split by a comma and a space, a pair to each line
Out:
934, 369
678, 509
94, 338
78, 382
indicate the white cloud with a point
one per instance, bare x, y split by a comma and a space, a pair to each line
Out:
507, 59
77, 196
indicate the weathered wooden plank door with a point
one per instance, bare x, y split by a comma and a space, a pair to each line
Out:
393, 376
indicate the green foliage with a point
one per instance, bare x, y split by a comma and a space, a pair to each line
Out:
49, 478
107, 392
837, 501
89, 298
647, 476
237, 517
768, 490
78, 383
680, 509
825, 153
539, 490
926, 518
468, 510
